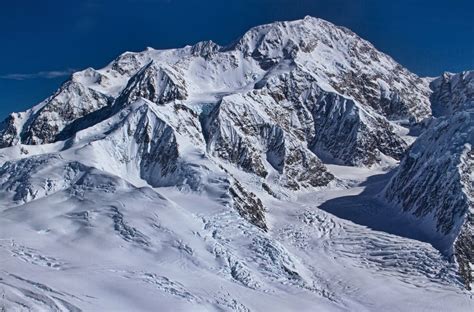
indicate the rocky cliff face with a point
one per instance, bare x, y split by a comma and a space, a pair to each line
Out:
43, 123
157, 84
244, 131
335, 127
452, 92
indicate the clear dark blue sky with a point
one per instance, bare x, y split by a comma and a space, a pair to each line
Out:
42, 41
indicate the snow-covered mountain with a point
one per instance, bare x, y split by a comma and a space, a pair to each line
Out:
289, 66
191, 178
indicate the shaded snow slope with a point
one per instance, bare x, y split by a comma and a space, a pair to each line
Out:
435, 181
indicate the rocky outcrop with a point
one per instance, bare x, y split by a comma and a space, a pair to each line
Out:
9, 131
157, 84
452, 92
205, 49
43, 123
347, 133
142, 143
248, 205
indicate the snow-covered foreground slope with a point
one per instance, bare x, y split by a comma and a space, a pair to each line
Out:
96, 243
217, 178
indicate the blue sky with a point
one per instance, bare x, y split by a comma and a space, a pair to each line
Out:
43, 41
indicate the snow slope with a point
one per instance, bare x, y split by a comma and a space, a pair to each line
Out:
95, 242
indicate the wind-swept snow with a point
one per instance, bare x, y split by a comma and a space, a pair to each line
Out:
102, 244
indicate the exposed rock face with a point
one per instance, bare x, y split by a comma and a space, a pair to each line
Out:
347, 133
71, 102
243, 130
8, 131
335, 126
141, 143
430, 180
156, 84
228, 140
463, 250
205, 49
43, 123
435, 179
156, 147
249, 206
451, 92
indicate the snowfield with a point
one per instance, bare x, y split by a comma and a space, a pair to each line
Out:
293, 170
105, 245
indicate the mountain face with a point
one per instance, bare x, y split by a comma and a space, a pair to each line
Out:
205, 165
435, 179
289, 65
42, 123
